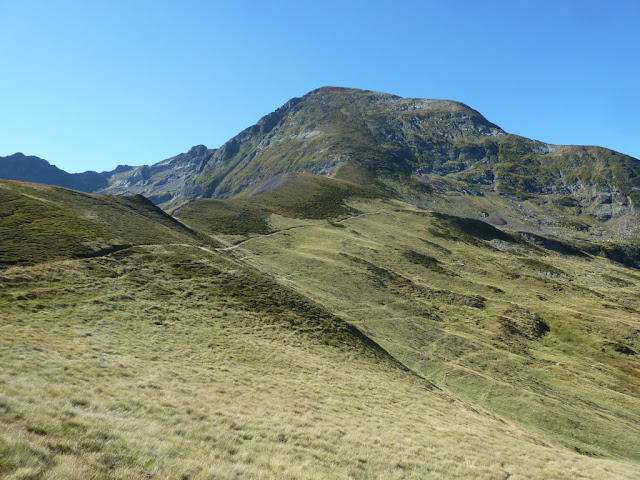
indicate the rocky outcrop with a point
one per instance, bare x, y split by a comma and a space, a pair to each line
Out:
164, 182
330, 127
437, 141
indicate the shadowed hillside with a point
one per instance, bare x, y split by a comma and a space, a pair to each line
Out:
39, 223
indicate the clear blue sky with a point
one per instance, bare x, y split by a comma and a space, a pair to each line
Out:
91, 84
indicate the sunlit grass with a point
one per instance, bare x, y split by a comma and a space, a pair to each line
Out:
126, 367
549, 345
484, 354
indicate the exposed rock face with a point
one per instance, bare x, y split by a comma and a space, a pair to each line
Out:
440, 143
162, 182
331, 127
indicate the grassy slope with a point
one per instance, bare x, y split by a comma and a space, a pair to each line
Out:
471, 313
547, 214
522, 168
305, 196
171, 362
39, 222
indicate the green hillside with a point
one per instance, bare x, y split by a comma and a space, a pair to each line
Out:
537, 330
39, 223
371, 345
170, 362
358, 286
298, 195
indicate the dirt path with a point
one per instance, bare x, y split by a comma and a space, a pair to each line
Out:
241, 242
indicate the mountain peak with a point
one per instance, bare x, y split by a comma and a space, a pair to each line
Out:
369, 137
330, 89
372, 96
334, 126
197, 151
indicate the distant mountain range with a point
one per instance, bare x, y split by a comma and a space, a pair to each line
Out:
157, 182
34, 169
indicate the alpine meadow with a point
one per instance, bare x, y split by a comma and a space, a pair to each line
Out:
358, 286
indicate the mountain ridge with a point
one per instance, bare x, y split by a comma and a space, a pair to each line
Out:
35, 169
410, 147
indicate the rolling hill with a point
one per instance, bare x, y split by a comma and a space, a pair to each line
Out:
41, 223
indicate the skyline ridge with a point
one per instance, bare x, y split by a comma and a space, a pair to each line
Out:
116, 84
97, 169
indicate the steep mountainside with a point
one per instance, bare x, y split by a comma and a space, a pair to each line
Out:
432, 145
163, 181
335, 127
411, 148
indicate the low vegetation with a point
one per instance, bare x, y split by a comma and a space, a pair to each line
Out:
171, 362
39, 223
303, 196
340, 336
531, 329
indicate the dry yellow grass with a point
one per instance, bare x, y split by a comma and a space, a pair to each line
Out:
574, 385
127, 367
